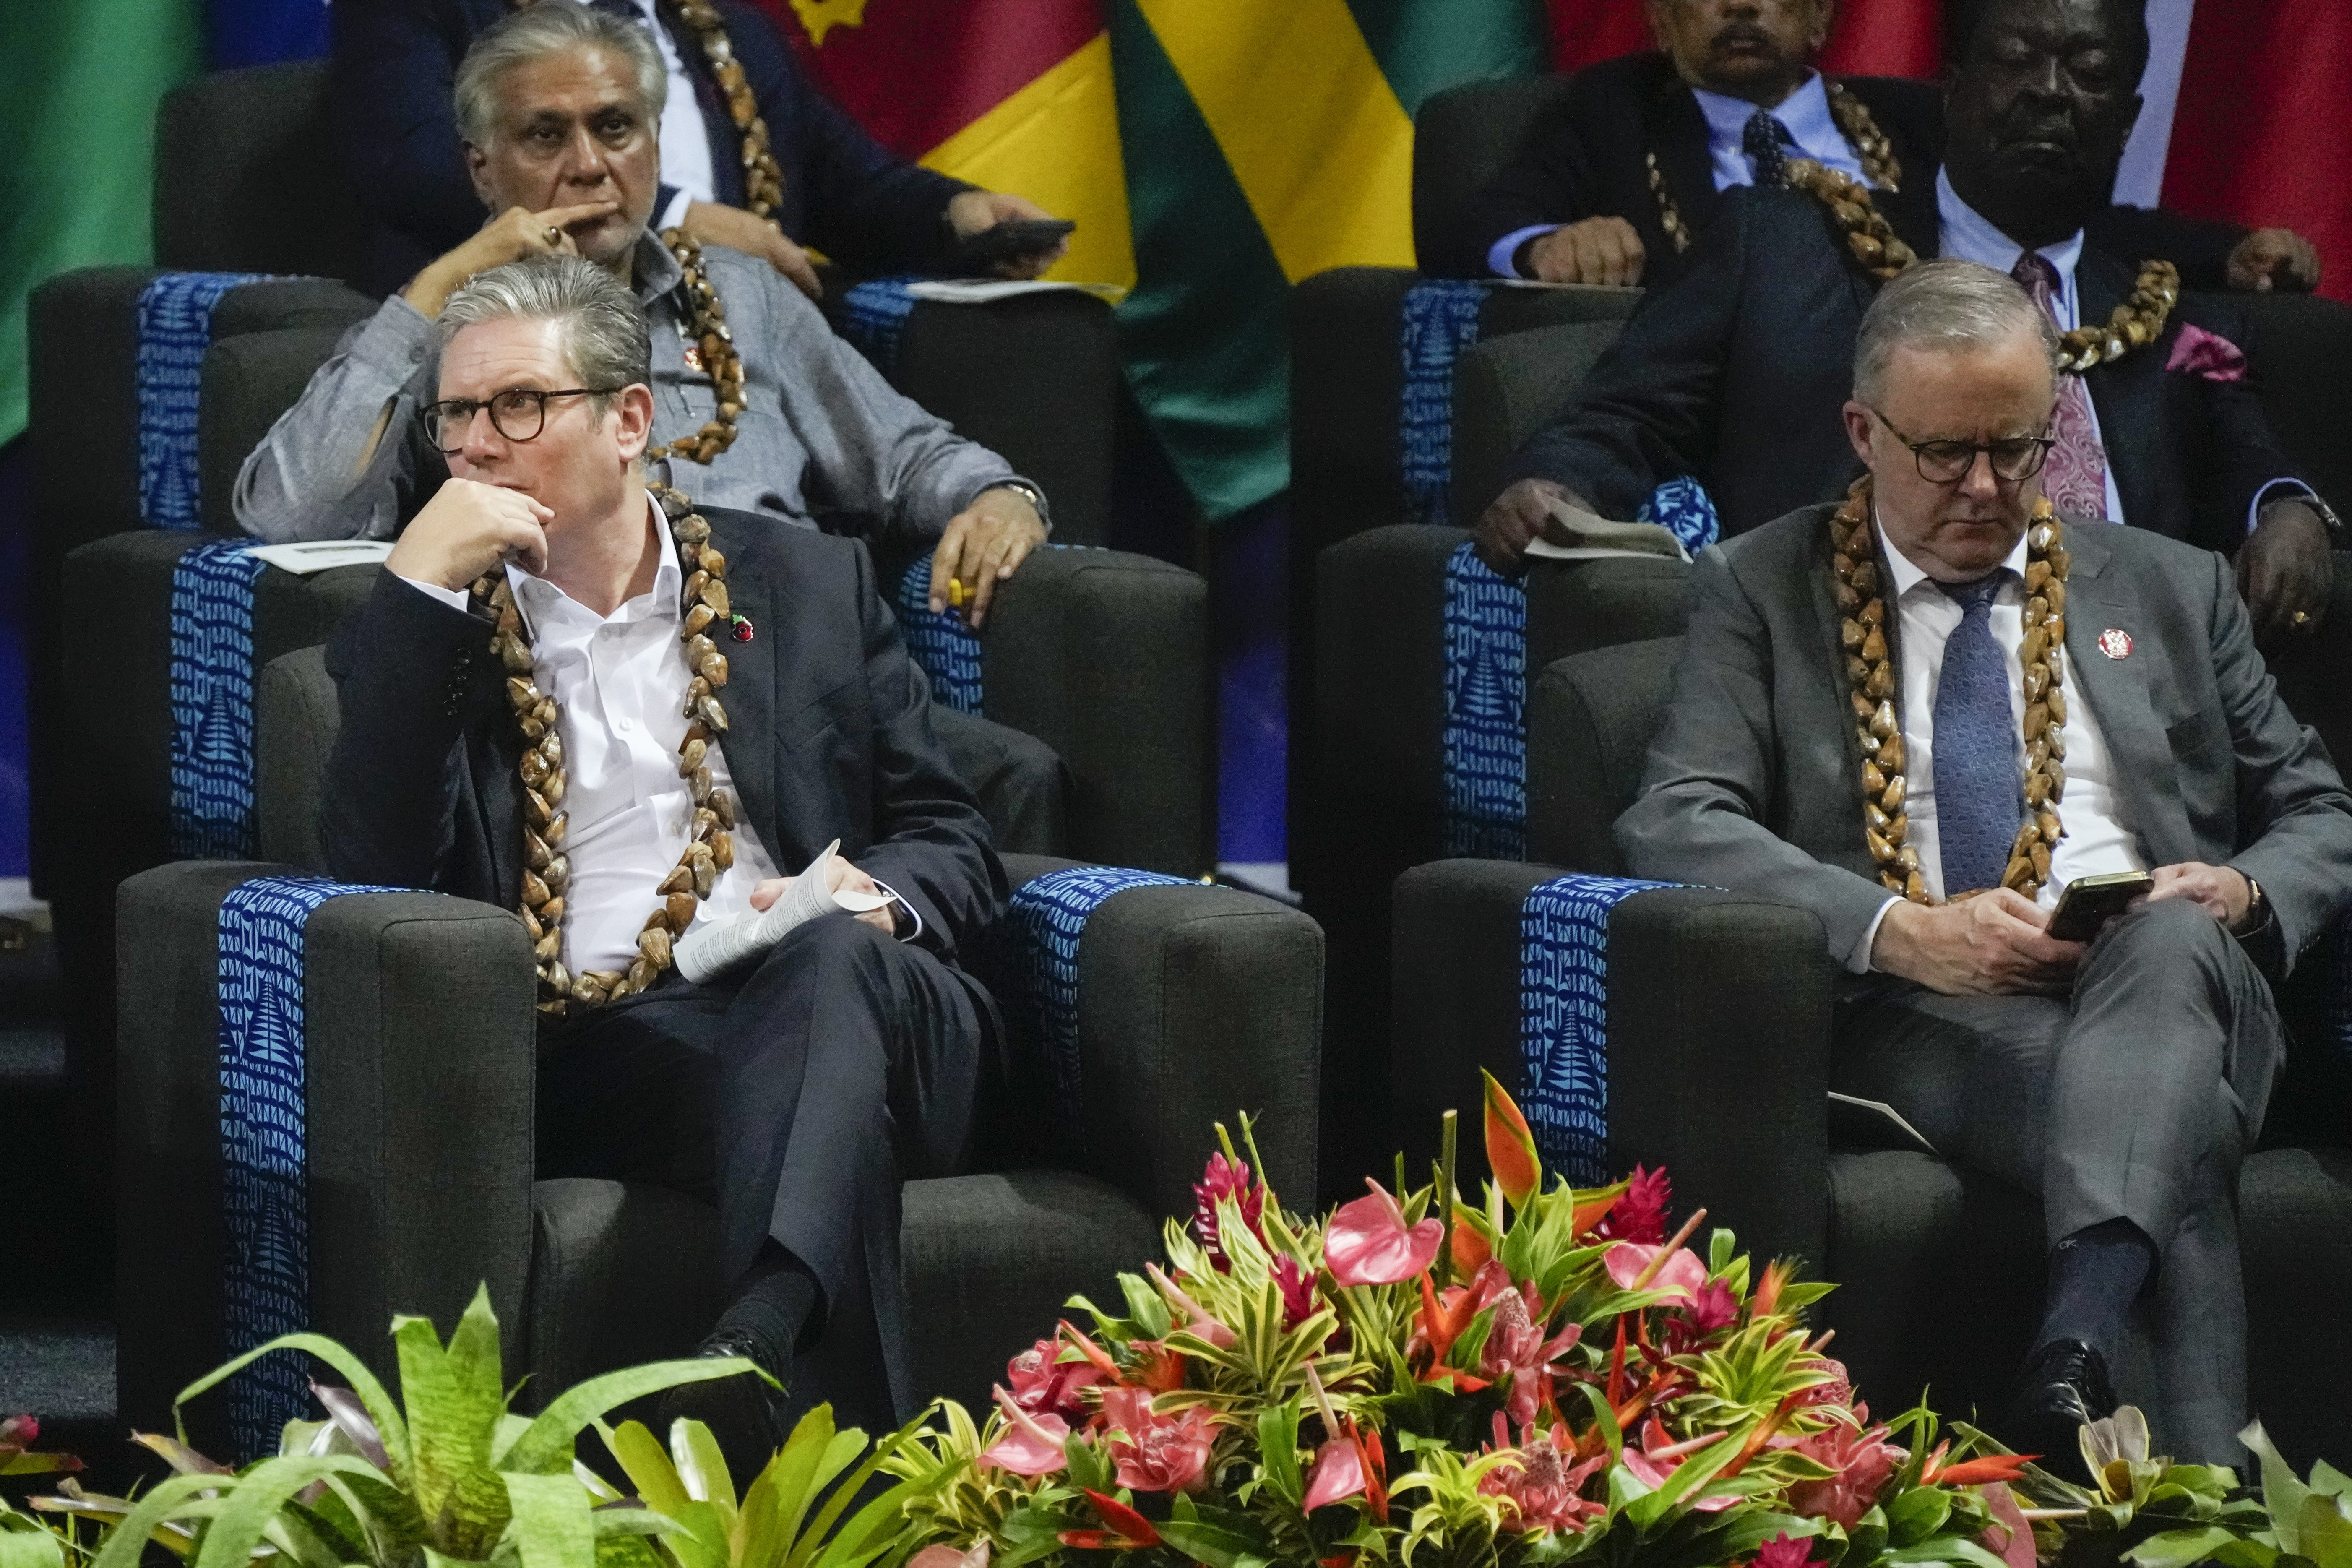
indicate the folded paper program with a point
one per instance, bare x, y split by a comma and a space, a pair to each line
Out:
1575, 534
709, 951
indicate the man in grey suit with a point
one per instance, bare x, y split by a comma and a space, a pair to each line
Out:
2122, 1078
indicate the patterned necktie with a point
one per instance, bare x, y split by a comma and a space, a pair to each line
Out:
1974, 758
2075, 477
1767, 142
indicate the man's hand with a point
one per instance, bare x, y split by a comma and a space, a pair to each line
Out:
1591, 250
2221, 891
970, 212
468, 528
984, 544
2286, 569
1991, 945
712, 224
2274, 258
843, 876
1517, 517
510, 235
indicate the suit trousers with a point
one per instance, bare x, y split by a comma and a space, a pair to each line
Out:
2136, 1098
797, 1098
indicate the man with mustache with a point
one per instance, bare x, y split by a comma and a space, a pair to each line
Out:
1731, 373
1617, 186
1922, 712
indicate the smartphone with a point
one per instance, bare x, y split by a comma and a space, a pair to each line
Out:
1005, 241
2090, 902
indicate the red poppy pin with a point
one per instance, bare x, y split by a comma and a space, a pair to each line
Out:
741, 628
2115, 643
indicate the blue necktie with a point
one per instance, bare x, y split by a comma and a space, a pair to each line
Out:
1766, 142
1978, 801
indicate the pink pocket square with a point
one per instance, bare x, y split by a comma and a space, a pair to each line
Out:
2209, 355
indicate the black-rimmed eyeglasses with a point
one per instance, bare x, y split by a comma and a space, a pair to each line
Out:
2014, 458
519, 414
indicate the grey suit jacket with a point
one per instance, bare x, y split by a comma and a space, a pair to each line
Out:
1754, 782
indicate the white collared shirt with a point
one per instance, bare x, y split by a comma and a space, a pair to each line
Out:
686, 158
1805, 113
2096, 840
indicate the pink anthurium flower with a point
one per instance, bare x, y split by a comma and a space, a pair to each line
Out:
1032, 1445
1369, 1243
1680, 1276
1339, 1474
2010, 1537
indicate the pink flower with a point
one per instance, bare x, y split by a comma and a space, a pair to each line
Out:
1339, 1474
1639, 1214
1226, 1179
1298, 1286
1516, 1348
1542, 1487
1032, 1445
1369, 1243
1155, 1453
1042, 1383
1783, 1550
1864, 1461
1681, 1275
2010, 1537
1658, 1458
943, 1555
1712, 1306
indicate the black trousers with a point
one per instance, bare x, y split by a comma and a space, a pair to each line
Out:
2136, 1096
796, 1100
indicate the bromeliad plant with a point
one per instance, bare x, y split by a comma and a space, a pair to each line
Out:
1546, 1378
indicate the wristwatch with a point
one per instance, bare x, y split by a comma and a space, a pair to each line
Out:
2257, 912
1036, 497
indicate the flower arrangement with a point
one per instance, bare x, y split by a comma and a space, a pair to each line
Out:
1547, 1378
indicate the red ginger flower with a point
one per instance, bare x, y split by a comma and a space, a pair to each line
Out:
1864, 1461
1542, 1487
1297, 1286
1226, 1179
1784, 1550
1155, 1453
1639, 1214
1042, 1383
1516, 1348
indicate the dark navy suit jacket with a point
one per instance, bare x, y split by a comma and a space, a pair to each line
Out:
394, 63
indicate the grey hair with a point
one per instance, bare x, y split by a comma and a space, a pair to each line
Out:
605, 339
534, 33
1945, 305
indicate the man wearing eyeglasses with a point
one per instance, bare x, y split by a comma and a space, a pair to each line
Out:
1855, 710
1734, 374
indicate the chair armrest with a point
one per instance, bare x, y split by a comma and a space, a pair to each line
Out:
1718, 1029
419, 1057
1104, 656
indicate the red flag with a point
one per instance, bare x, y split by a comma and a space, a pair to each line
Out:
2259, 136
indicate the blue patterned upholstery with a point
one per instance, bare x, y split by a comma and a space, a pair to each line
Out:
1485, 743
876, 313
175, 328
1439, 320
265, 1161
1684, 509
1564, 1020
211, 700
940, 641
1047, 916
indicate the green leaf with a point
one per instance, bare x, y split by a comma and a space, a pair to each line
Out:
550, 1527
2244, 1553
702, 1468
26, 1544
2325, 1531
174, 1497
821, 1546
2282, 1493
387, 1415
2178, 1548
254, 1499
546, 1448
648, 1465
453, 1412
1277, 1447
1918, 1514
2326, 1477
1605, 1417
1950, 1549
1222, 1540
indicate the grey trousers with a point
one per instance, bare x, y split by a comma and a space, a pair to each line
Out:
2136, 1098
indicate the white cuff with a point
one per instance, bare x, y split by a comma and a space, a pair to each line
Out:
2294, 489
912, 913
673, 215
456, 598
1499, 254
1858, 961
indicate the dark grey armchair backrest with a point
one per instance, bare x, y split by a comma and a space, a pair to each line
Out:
1461, 138
1590, 720
246, 178
296, 720
1505, 390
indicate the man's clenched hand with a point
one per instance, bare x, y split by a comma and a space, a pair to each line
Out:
2274, 258
1590, 250
1990, 945
468, 528
1516, 519
2285, 568
981, 547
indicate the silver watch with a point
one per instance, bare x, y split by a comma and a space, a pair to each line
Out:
1035, 497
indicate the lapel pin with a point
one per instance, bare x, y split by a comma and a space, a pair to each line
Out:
742, 629
2115, 643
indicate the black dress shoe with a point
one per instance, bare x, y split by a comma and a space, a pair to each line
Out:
2063, 1388
745, 1412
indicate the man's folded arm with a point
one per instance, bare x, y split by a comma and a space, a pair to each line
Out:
1647, 411
1699, 818
931, 845
2247, 466
342, 463
2294, 812
408, 671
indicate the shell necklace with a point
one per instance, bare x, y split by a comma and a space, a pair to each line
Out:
1857, 580
547, 868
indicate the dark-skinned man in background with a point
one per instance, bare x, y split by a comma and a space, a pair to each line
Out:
560, 105
1616, 186
1732, 372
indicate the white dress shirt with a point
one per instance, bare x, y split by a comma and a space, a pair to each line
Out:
685, 138
2096, 839
1806, 114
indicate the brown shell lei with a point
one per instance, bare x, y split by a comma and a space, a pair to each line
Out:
1858, 585
547, 869
1854, 122
707, 328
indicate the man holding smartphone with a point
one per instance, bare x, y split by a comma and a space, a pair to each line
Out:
1922, 713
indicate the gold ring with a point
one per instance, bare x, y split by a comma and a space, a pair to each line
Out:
554, 235
2301, 617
